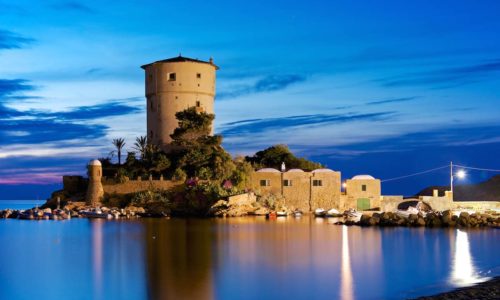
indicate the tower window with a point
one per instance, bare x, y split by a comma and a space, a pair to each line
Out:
198, 75
152, 105
171, 76
265, 182
198, 104
150, 77
287, 182
363, 187
151, 134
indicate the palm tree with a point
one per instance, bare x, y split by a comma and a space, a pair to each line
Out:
141, 144
119, 143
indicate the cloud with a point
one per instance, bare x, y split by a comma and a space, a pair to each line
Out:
10, 87
11, 40
445, 78
46, 130
98, 111
255, 126
267, 84
73, 6
378, 102
93, 71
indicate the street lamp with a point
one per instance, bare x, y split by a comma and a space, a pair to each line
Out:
460, 175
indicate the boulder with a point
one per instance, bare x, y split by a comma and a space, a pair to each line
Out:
373, 221
364, 221
420, 221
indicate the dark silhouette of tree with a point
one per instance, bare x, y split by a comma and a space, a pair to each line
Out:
119, 144
141, 145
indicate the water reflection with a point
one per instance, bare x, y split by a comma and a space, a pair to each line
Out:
179, 259
346, 290
463, 270
97, 257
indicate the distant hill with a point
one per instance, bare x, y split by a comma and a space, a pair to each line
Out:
488, 190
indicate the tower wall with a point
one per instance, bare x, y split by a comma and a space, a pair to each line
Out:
95, 191
172, 87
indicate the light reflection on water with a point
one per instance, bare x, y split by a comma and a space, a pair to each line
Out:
246, 258
463, 271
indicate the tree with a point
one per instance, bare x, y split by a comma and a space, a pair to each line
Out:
195, 151
274, 156
119, 144
141, 144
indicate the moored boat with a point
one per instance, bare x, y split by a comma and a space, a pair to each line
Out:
96, 213
333, 213
319, 212
281, 213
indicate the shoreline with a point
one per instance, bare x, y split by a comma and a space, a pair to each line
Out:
484, 290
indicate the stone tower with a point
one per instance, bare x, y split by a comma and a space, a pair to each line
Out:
173, 85
95, 192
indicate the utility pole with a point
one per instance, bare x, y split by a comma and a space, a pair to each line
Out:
451, 177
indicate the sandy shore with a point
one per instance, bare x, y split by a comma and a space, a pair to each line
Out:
485, 290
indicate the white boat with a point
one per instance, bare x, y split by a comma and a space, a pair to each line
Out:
333, 213
352, 215
281, 213
297, 214
319, 212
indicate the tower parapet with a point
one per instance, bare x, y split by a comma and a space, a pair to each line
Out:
173, 85
95, 191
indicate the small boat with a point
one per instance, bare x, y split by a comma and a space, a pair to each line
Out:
297, 213
406, 213
352, 215
95, 213
271, 215
319, 212
333, 213
281, 213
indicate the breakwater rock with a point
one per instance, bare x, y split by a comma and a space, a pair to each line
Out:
432, 219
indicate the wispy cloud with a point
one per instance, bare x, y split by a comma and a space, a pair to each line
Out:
445, 78
73, 6
379, 102
267, 84
11, 40
93, 112
255, 126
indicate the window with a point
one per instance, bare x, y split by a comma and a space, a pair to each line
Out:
151, 134
150, 77
171, 76
363, 187
265, 182
317, 182
198, 104
287, 182
198, 75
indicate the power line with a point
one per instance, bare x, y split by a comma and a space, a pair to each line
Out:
415, 174
479, 169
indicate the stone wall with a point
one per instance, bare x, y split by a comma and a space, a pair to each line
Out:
297, 195
74, 184
327, 194
134, 186
477, 205
390, 203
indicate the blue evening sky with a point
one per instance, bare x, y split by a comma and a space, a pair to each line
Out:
385, 88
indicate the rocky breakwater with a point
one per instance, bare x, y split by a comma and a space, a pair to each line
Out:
432, 219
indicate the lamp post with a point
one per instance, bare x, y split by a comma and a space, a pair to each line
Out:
460, 175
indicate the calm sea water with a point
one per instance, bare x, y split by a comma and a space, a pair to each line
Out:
20, 204
240, 258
